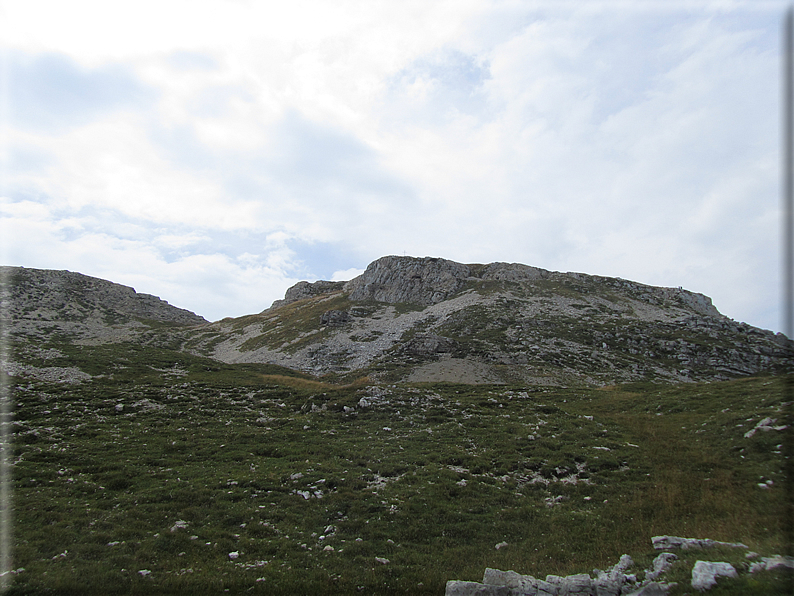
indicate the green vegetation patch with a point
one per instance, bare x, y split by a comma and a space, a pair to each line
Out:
297, 324
252, 479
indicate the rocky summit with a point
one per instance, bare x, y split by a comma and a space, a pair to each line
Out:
430, 319
424, 320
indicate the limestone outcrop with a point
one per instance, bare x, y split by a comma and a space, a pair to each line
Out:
705, 574
429, 280
305, 289
406, 279
616, 581
676, 542
612, 582
426, 319
771, 563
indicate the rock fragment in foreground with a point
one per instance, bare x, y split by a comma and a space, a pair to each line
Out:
771, 563
660, 564
462, 588
616, 581
520, 584
676, 542
612, 582
651, 589
705, 574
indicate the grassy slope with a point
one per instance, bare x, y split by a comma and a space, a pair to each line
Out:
97, 490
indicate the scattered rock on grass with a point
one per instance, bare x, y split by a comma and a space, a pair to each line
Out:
462, 588
614, 581
651, 589
496, 582
676, 542
765, 425
705, 574
770, 563
660, 564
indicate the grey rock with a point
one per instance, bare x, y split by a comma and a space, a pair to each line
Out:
757, 566
545, 588
407, 279
523, 585
766, 425
577, 585
624, 564
606, 588
614, 581
697, 302
777, 562
705, 574
651, 589
463, 588
660, 564
611, 582
335, 318
512, 272
676, 542
495, 577
552, 501
555, 580
51, 374
773, 562
305, 289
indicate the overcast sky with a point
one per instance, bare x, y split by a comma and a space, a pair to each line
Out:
215, 153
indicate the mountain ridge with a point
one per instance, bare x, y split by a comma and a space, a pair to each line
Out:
385, 280
46, 301
409, 318
423, 319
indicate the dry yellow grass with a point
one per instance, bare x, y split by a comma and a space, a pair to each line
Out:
312, 385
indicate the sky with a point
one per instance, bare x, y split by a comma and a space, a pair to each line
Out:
214, 153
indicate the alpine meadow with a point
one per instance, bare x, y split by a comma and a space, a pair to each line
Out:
416, 430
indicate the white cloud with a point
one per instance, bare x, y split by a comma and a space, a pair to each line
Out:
599, 137
346, 275
182, 241
111, 163
211, 284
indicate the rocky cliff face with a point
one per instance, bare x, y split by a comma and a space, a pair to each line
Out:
422, 319
406, 279
429, 280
